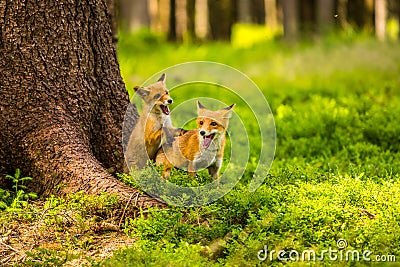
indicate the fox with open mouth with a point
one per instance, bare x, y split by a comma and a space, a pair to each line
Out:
200, 148
153, 119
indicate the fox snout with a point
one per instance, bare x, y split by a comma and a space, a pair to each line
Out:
205, 132
166, 100
207, 137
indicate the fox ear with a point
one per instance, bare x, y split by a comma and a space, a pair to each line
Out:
230, 107
228, 111
162, 78
199, 105
141, 91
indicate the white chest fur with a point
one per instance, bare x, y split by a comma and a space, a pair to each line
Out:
207, 156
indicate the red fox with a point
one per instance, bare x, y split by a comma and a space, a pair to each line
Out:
200, 148
148, 130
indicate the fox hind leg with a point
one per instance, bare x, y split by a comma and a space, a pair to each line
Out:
161, 159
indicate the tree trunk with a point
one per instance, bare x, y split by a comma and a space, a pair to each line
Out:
380, 19
307, 17
271, 14
360, 13
159, 15
342, 13
172, 21
290, 19
244, 11
201, 19
181, 19
191, 11
112, 18
257, 11
325, 15
398, 17
62, 99
134, 15
221, 18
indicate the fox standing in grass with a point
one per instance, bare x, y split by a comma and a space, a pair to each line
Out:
145, 139
199, 148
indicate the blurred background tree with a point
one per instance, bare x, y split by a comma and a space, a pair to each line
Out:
199, 20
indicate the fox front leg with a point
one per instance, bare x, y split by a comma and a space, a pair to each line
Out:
214, 169
191, 170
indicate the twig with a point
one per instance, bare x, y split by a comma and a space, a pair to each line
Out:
36, 233
368, 213
137, 199
136, 202
42, 214
126, 206
5, 260
9, 247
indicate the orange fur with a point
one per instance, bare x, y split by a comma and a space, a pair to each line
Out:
145, 139
200, 148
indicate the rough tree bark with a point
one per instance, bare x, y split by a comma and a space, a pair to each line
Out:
62, 99
112, 18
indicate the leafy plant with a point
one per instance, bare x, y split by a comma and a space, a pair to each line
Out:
20, 196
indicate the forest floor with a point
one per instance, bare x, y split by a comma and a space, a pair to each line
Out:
72, 231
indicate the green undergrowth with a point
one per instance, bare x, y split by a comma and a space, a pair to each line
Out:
336, 107
17, 199
335, 176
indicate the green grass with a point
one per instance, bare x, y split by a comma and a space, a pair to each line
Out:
336, 106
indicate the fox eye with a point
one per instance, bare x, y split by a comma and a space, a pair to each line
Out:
213, 123
201, 122
166, 92
157, 96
